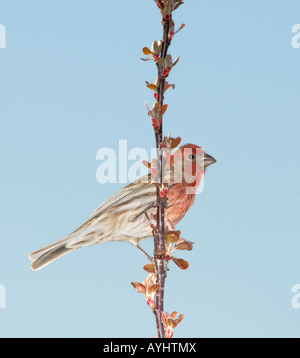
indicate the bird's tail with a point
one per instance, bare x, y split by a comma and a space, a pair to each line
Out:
44, 256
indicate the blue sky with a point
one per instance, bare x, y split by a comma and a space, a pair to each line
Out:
72, 82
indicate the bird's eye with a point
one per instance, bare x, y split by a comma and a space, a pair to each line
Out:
192, 156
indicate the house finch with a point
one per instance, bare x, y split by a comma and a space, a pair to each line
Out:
128, 214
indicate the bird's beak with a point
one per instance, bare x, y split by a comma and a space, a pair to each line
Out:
208, 160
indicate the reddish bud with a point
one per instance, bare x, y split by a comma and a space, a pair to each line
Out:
167, 17
165, 73
151, 303
169, 333
156, 123
171, 34
163, 193
168, 257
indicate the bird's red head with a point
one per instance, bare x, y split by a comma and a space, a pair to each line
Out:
189, 162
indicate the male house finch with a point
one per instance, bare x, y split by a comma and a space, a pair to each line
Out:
126, 215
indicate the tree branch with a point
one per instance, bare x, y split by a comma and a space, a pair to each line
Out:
164, 243
159, 241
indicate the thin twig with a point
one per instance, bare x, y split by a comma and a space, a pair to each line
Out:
159, 242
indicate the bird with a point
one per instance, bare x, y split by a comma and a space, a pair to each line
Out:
128, 215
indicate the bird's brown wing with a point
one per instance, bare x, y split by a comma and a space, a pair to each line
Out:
123, 195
